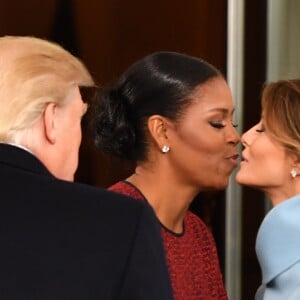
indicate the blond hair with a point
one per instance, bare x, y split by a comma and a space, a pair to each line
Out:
34, 72
281, 113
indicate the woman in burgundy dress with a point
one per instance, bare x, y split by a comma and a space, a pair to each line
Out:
172, 115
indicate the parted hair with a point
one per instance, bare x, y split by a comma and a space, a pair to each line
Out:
281, 112
34, 72
159, 83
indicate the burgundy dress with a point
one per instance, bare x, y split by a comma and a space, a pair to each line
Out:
191, 256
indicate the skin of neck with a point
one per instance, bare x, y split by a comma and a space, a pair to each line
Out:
282, 193
169, 196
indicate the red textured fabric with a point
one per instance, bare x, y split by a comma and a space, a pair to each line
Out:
191, 257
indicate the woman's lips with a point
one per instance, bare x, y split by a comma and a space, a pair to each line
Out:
233, 159
243, 158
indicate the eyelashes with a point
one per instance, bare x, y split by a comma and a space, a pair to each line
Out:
260, 129
220, 125
217, 125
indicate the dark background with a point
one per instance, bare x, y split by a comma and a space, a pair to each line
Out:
108, 35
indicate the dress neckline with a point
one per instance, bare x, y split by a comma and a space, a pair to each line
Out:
165, 228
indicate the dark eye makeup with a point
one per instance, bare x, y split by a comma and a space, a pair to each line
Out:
220, 125
217, 125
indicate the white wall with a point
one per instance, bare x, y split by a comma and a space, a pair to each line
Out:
283, 51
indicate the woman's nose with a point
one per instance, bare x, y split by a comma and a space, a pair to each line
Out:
245, 138
234, 137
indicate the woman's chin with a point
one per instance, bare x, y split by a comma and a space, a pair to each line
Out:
240, 179
246, 181
222, 185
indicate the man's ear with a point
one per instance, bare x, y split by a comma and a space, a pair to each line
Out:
158, 128
49, 119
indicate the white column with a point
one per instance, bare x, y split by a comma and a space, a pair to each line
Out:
235, 68
283, 42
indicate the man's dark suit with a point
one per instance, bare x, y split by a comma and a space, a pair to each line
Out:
61, 240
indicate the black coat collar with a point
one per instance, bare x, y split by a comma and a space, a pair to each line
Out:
21, 159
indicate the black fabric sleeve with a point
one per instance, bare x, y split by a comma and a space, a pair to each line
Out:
146, 276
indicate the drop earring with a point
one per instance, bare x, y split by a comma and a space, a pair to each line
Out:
294, 173
165, 149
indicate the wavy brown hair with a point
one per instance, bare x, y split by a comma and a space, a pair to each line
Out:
281, 113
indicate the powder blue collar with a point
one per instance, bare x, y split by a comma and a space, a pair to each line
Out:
278, 239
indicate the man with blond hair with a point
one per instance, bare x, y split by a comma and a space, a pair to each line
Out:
60, 239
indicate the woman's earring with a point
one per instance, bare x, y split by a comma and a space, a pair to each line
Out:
294, 173
165, 149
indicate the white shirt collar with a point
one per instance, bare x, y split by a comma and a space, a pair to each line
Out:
20, 146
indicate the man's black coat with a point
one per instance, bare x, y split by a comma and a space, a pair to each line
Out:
61, 240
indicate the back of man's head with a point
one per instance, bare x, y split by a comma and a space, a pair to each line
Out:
33, 73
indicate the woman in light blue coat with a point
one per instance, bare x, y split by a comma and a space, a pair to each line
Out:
271, 163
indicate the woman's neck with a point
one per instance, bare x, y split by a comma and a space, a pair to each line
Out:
280, 194
169, 200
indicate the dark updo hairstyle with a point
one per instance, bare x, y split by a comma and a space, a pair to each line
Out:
159, 83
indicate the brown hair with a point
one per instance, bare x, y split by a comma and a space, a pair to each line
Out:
281, 113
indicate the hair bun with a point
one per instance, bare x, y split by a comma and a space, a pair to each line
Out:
113, 131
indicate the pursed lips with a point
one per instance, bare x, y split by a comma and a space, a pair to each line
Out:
233, 158
243, 158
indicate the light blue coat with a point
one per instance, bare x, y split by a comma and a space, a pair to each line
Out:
278, 252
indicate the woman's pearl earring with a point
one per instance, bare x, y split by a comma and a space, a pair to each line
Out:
294, 173
165, 149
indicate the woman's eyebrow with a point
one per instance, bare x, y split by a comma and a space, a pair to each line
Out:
222, 110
